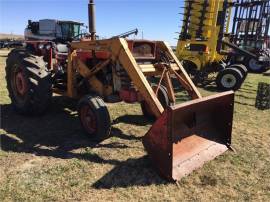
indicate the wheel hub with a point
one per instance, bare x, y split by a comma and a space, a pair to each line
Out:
88, 119
228, 81
20, 83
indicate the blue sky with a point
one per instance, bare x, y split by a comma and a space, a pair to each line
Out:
158, 19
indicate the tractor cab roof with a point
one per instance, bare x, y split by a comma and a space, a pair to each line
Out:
63, 21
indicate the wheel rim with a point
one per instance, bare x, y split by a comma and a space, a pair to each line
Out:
88, 119
228, 81
20, 83
254, 65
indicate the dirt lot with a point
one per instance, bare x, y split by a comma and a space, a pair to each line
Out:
49, 158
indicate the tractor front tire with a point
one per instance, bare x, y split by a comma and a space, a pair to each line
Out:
229, 79
94, 117
29, 82
162, 97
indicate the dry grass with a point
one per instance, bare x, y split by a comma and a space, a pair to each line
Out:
11, 36
49, 158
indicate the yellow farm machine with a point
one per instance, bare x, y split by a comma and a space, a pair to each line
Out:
183, 136
205, 46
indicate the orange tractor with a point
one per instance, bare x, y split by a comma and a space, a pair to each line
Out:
183, 137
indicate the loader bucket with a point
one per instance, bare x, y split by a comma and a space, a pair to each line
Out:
189, 134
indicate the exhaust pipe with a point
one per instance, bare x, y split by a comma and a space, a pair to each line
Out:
92, 19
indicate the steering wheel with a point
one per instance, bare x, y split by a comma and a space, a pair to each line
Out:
79, 36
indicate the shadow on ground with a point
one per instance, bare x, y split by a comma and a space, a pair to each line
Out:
138, 120
135, 172
58, 133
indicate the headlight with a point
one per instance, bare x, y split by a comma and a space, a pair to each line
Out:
48, 46
41, 46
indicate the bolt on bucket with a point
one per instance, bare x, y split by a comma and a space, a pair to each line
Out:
189, 134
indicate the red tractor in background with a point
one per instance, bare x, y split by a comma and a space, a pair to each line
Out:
50, 38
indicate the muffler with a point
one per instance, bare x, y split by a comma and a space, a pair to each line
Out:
187, 135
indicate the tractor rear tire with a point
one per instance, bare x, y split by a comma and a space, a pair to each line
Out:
162, 97
29, 82
229, 79
242, 68
94, 117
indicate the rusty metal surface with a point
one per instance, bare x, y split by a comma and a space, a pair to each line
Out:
192, 153
158, 146
190, 134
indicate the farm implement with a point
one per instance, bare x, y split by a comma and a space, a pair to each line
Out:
250, 30
183, 136
210, 53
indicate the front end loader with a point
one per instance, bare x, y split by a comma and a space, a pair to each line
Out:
183, 136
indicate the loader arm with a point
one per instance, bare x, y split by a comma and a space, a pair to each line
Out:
188, 83
121, 53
